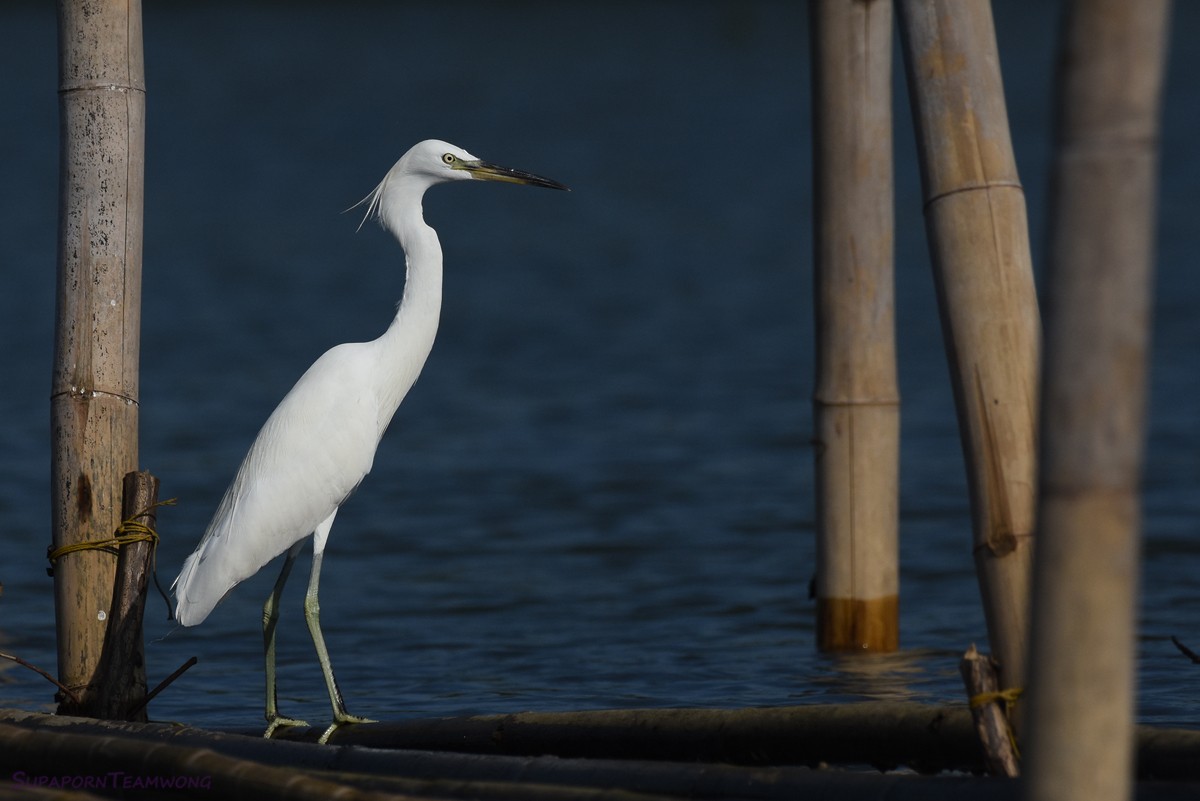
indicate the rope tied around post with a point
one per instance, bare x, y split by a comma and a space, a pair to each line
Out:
129, 531
1009, 697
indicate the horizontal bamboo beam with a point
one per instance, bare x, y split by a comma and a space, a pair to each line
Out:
934, 737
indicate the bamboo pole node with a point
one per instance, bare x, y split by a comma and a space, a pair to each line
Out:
83, 86
84, 392
973, 187
129, 531
1002, 544
885, 402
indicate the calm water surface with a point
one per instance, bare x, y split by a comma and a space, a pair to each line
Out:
599, 493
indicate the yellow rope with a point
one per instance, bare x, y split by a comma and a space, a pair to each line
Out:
1009, 697
128, 532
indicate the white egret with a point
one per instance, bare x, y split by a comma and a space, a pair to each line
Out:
320, 441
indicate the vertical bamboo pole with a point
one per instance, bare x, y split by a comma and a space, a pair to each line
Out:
856, 402
979, 238
93, 403
1083, 663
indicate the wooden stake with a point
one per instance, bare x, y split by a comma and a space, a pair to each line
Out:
988, 711
979, 239
857, 402
1081, 706
94, 392
120, 679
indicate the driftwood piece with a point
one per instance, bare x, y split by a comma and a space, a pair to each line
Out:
988, 710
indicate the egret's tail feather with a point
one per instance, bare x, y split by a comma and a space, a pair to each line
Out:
190, 606
200, 587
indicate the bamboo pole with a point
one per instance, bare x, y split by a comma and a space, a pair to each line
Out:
856, 405
1099, 284
979, 239
94, 391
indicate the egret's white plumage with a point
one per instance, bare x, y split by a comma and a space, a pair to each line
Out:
319, 443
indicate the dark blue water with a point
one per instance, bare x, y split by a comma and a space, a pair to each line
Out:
599, 493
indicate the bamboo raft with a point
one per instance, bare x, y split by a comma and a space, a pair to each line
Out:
809, 752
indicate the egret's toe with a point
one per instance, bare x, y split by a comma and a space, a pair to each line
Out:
277, 721
342, 719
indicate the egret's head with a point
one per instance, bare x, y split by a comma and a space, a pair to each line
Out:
441, 161
434, 162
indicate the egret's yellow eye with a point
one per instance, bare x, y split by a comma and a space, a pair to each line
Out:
449, 158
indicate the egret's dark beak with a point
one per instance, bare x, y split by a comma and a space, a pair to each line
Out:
492, 172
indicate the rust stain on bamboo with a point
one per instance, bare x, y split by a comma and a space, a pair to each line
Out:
857, 624
939, 63
84, 505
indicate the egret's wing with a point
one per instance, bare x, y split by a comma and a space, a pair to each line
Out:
311, 454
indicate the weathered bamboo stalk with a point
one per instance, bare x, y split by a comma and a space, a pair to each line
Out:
979, 239
856, 405
94, 391
1099, 285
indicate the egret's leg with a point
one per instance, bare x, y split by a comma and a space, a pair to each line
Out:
270, 619
312, 614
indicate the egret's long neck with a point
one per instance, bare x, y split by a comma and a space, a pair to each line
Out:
408, 340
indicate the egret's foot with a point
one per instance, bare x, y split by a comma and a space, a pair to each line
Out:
277, 721
342, 720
